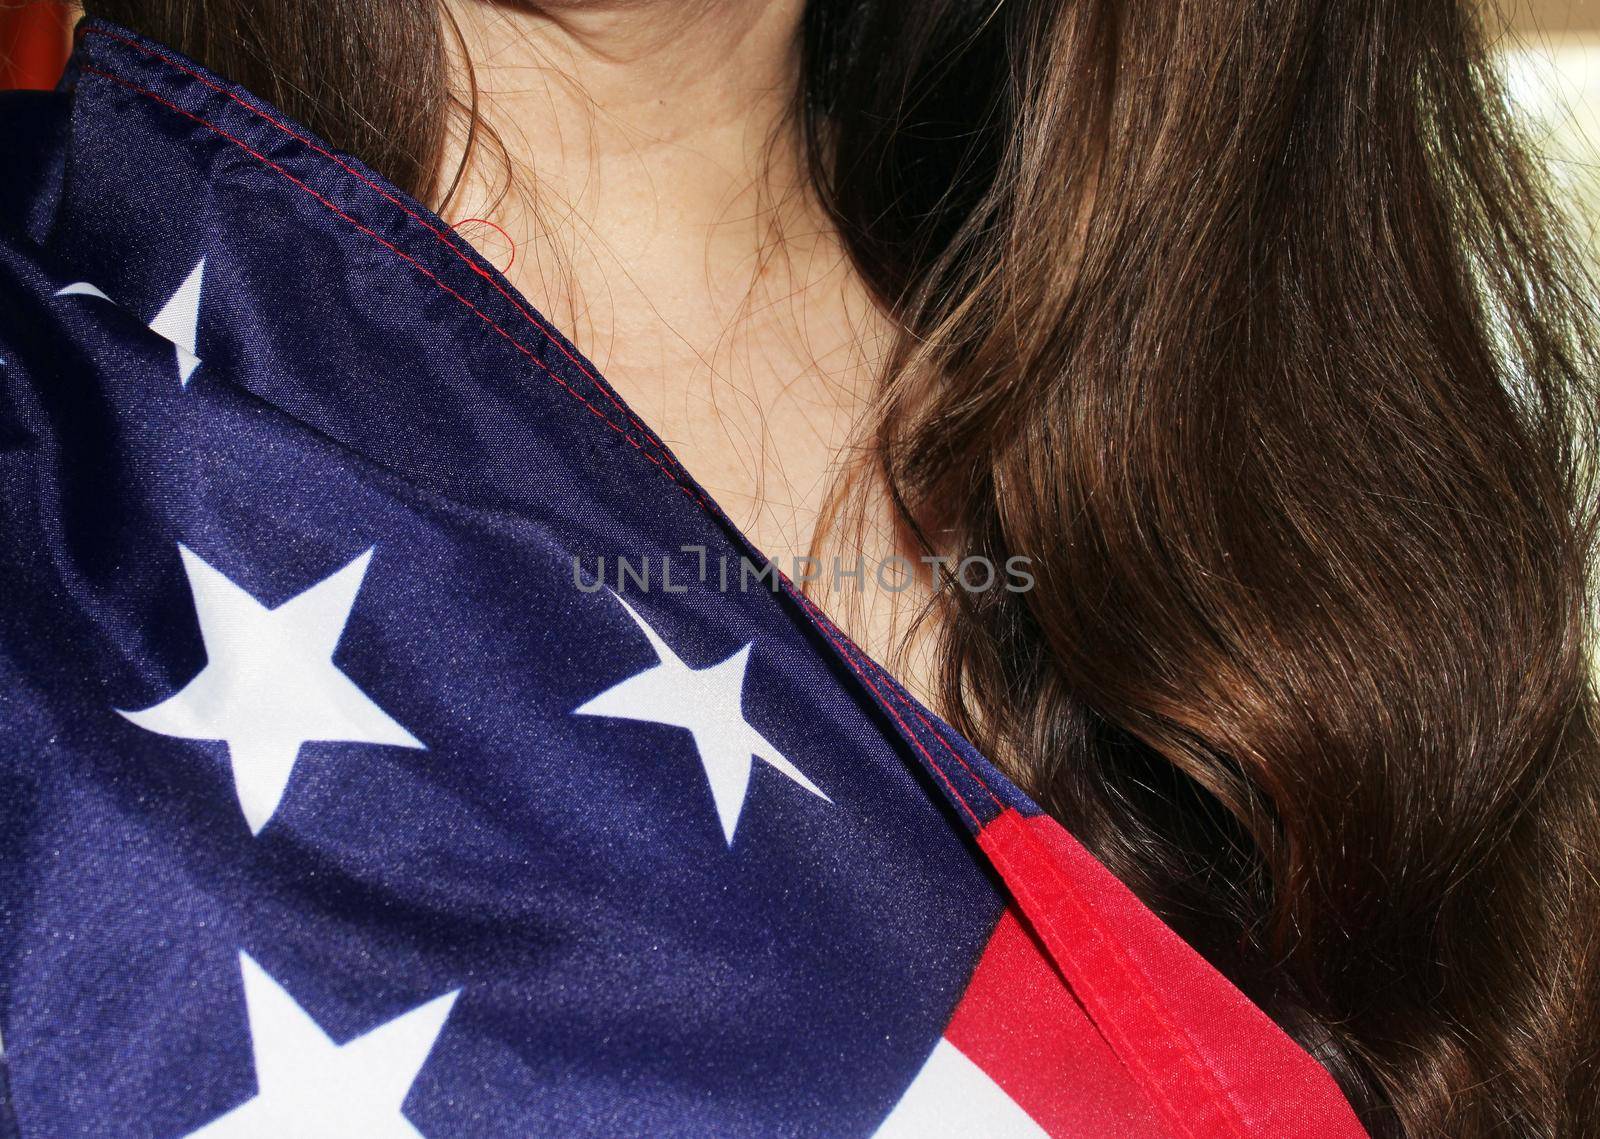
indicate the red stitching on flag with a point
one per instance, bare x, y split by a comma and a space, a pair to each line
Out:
1132, 975
823, 619
1186, 1046
438, 235
421, 268
1129, 1050
683, 486
824, 624
1130, 970
847, 650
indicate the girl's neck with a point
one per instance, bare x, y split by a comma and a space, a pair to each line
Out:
651, 173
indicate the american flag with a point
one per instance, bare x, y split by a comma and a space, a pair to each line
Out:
331, 806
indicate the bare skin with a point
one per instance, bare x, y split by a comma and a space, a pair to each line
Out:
662, 217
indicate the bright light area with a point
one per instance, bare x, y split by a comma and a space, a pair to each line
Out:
1555, 80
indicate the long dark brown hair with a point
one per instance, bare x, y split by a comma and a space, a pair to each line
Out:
1251, 322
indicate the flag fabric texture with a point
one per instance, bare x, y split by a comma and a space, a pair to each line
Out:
332, 803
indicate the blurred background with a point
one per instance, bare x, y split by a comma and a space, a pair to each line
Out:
1550, 52
1552, 63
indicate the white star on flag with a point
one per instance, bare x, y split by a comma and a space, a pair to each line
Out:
177, 321
309, 1087
953, 1098
709, 702
269, 683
